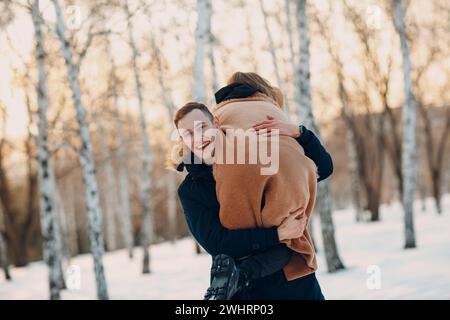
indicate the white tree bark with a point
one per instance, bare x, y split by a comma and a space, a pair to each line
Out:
146, 215
124, 192
201, 38
409, 128
304, 112
210, 48
273, 54
86, 159
297, 94
47, 187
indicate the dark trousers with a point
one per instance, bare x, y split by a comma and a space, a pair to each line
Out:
277, 287
268, 282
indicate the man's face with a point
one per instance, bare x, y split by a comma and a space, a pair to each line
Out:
198, 134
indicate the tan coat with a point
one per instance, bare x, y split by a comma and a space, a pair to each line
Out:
240, 187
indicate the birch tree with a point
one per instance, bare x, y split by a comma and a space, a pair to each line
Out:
210, 48
297, 94
201, 38
124, 190
351, 132
304, 113
47, 187
146, 215
409, 128
85, 156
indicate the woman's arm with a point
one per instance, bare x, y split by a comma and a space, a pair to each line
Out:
206, 228
316, 152
307, 139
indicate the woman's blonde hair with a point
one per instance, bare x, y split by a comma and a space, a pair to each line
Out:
259, 83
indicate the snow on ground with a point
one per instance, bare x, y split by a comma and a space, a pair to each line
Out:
177, 273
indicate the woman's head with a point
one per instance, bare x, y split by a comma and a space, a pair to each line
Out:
259, 83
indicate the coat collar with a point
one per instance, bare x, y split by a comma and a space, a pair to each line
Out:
194, 166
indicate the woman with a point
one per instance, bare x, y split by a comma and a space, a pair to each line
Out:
201, 208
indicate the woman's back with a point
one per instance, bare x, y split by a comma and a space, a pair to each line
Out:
241, 188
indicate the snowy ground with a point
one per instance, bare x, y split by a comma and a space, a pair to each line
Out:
422, 273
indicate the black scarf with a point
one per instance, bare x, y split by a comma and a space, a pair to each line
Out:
234, 91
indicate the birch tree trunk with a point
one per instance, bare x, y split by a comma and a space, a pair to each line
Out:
273, 54
409, 128
124, 192
212, 61
171, 177
86, 160
201, 37
47, 187
146, 219
110, 191
297, 94
304, 112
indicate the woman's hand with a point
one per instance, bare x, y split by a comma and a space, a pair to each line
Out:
292, 228
285, 128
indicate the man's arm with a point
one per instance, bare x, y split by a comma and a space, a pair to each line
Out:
206, 228
316, 152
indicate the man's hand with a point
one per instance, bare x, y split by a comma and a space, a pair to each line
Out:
285, 128
292, 228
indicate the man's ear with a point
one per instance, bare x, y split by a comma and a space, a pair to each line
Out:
216, 122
